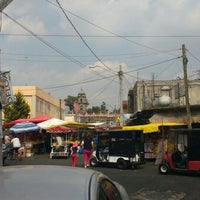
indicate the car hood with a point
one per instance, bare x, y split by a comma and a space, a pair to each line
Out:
44, 182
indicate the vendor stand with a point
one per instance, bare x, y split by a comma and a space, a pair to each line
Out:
59, 142
28, 133
59, 130
154, 137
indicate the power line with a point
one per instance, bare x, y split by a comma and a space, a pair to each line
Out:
137, 54
100, 91
152, 65
45, 42
82, 38
107, 77
103, 36
108, 31
193, 56
79, 83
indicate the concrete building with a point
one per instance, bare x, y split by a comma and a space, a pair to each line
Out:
158, 94
40, 102
164, 100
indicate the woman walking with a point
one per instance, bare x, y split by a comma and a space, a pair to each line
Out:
74, 150
87, 144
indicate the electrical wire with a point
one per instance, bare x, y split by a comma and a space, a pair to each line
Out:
105, 36
108, 31
193, 56
100, 91
152, 65
107, 77
79, 83
76, 30
45, 42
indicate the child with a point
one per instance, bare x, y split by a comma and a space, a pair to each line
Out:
74, 150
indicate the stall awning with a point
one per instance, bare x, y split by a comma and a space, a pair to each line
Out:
150, 128
59, 129
51, 123
77, 125
54, 122
34, 120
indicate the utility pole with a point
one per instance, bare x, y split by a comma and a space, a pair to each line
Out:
185, 61
3, 4
120, 74
60, 104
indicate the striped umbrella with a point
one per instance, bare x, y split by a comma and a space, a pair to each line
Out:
24, 127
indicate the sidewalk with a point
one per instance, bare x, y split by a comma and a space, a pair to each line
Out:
44, 159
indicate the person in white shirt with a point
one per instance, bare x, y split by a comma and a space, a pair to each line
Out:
7, 139
16, 144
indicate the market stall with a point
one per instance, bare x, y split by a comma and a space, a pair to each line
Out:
58, 137
154, 137
28, 133
59, 142
63, 134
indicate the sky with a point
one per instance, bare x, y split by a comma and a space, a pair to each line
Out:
65, 46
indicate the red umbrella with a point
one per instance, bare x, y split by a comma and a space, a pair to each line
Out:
59, 129
34, 119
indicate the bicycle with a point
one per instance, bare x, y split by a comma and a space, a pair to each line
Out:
14, 154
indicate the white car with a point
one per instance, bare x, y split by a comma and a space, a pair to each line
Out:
44, 182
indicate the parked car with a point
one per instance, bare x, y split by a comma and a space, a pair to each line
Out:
47, 182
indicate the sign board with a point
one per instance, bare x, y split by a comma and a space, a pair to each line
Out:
7, 94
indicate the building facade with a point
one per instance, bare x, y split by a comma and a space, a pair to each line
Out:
164, 101
151, 94
40, 102
82, 102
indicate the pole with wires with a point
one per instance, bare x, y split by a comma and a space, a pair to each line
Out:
185, 61
3, 4
120, 74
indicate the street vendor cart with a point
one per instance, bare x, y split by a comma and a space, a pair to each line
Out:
59, 145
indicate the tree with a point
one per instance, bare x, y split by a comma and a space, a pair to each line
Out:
19, 109
103, 108
69, 101
94, 109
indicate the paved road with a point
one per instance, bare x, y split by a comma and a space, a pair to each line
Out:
144, 183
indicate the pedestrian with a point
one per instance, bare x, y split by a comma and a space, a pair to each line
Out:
87, 144
7, 139
74, 151
16, 145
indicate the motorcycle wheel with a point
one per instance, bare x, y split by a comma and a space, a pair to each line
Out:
163, 169
93, 162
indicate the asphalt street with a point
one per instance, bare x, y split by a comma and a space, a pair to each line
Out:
144, 183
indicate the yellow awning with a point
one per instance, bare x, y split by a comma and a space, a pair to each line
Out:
77, 125
150, 128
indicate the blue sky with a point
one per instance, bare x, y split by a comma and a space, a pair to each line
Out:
56, 49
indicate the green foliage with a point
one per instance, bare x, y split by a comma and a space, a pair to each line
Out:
94, 109
69, 101
19, 109
103, 108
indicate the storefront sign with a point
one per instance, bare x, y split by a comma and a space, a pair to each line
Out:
7, 94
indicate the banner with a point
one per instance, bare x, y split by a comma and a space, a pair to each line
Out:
6, 94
